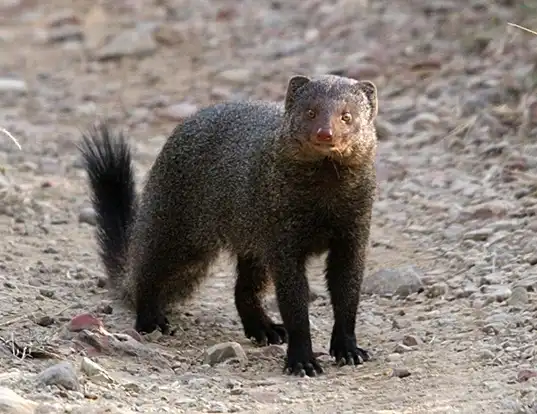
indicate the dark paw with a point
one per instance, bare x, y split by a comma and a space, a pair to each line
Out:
147, 323
302, 363
267, 333
345, 351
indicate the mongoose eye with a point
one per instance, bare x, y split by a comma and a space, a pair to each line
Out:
346, 117
311, 113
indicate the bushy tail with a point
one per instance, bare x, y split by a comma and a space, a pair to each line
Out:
107, 161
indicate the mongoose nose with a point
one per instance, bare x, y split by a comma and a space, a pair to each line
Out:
324, 134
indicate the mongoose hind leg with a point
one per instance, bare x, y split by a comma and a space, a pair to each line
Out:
252, 280
344, 272
161, 281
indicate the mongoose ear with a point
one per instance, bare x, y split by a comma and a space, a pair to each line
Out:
370, 91
295, 83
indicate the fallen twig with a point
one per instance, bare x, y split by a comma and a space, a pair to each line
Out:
523, 28
6, 132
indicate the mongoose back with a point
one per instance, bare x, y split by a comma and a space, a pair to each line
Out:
273, 184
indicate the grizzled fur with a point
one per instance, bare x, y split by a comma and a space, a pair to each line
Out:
251, 178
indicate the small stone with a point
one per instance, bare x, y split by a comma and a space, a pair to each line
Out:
400, 281
102, 282
532, 259
85, 321
400, 372
178, 112
519, 297
395, 357
491, 279
525, 374
529, 283
47, 293
478, 235
137, 42
13, 85
487, 354
489, 209
498, 293
95, 371
468, 290
224, 351
153, 336
133, 334
438, 289
87, 215
411, 340
62, 374
45, 320
169, 35
273, 350
13, 403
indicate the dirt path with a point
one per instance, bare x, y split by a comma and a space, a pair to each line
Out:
457, 199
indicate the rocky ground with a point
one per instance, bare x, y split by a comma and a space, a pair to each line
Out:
450, 296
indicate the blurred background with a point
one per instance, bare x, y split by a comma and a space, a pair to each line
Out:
457, 168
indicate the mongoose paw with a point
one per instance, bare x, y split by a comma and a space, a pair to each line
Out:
267, 334
149, 323
344, 349
302, 363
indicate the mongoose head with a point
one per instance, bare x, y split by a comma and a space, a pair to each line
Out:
331, 117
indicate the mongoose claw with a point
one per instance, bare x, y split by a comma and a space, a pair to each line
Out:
267, 334
302, 365
345, 351
147, 324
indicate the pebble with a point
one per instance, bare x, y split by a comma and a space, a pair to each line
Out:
394, 357
401, 281
45, 320
400, 372
488, 209
478, 235
525, 374
411, 340
224, 351
487, 354
438, 289
62, 374
491, 279
85, 321
467, 291
95, 371
13, 403
273, 350
87, 215
498, 293
137, 42
519, 297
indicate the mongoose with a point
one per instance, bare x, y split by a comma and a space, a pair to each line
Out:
273, 184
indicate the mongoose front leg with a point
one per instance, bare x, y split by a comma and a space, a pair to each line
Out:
292, 292
252, 280
344, 273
